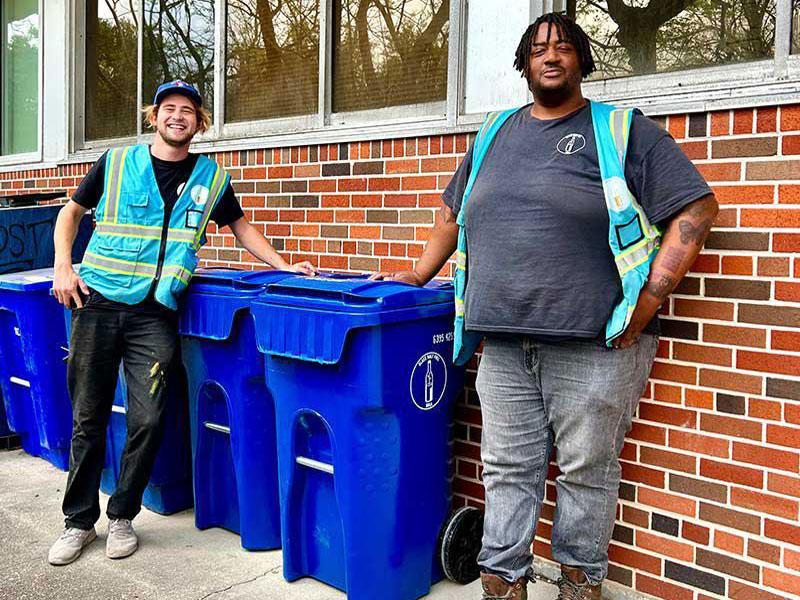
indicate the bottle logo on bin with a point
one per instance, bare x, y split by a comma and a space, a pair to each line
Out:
428, 381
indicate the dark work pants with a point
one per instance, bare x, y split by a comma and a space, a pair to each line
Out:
101, 338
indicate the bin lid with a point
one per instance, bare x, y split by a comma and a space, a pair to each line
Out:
28, 281
215, 296
233, 282
354, 294
310, 319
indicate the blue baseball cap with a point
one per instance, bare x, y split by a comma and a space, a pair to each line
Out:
178, 86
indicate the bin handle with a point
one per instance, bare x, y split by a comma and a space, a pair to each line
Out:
314, 464
19, 381
217, 427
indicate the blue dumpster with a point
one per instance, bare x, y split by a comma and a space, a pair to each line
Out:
26, 238
364, 385
33, 353
232, 413
170, 487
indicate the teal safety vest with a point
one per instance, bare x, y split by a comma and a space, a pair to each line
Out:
124, 254
632, 239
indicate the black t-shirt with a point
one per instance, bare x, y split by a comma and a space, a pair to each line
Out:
537, 223
171, 176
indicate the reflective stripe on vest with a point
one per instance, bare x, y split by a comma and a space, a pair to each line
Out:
145, 232
634, 242
114, 164
121, 261
465, 342
218, 185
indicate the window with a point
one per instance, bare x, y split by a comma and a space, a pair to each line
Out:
272, 63
19, 76
638, 37
389, 53
178, 44
294, 71
493, 32
111, 65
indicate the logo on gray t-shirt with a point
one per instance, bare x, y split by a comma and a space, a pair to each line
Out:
571, 143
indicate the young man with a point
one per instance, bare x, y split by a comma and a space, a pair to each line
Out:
153, 204
543, 288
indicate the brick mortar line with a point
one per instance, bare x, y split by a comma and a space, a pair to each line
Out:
699, 365
765, 350
684, 452
694, 565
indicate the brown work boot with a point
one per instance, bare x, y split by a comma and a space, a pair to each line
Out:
497, 588
574, 585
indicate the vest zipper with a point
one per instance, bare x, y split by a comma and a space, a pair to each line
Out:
162, 250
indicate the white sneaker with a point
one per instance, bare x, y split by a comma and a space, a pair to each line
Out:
69, 546
121, 540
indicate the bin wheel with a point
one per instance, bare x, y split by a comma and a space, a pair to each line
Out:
459, 544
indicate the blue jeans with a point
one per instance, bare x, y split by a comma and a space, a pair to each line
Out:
580, 397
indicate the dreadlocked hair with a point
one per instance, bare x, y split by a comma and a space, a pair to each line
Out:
567, 30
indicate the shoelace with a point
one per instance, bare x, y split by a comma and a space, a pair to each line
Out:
73, 533
118, 524
568, 590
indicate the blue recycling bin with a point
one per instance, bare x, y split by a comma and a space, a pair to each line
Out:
232, 412
4, 429
364, 385
33, 376
170, 487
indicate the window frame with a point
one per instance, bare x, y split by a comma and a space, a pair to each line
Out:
771, 81
768, 82
312, 128
36, 155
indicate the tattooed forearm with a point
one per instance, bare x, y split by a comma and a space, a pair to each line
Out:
672, 259
659, 285
691, 233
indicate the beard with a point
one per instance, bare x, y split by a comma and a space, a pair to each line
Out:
176, 139
554, 94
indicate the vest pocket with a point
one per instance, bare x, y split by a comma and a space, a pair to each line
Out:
182, 274
134, 205
117, 262
193, 219
629, 233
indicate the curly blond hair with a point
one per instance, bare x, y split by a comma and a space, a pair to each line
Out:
203, 117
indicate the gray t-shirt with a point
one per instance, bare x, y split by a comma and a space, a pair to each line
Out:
537, 224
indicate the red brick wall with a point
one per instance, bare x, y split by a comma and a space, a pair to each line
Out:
709, 502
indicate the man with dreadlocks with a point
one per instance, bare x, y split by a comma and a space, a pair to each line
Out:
581, 221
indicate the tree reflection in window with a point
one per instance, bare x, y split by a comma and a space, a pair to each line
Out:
179, 44
19, 76
272, 63
111, 67
635, 37
389, 53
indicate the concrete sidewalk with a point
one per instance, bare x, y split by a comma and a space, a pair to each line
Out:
175, 561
